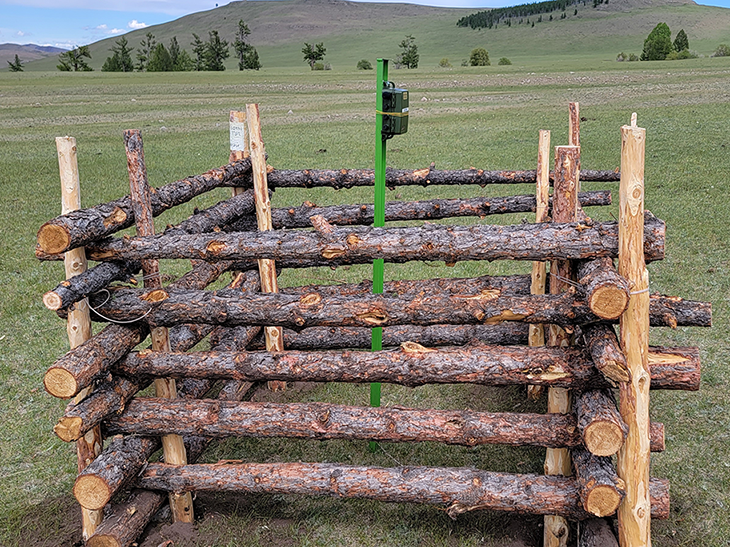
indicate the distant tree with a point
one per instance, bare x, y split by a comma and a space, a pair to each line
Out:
479, 57
364, 64
409, 52
146, 46
658, 44
174, 51
216, 51
16, 65
504, 61
681, 41
160, 60
73, 60
723, 50
199, 50
121, 59
248, 57
184, 62
313, 53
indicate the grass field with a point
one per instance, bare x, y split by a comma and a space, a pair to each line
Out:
460, 118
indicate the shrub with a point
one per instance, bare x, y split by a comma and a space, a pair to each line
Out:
687, 54
319, 65
672, 56
723, 50
479, 57
465, 62
633, 57
504, 61
621, 57
444, 63
364, 64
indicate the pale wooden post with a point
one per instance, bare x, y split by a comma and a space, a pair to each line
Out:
78, 324
634, 513
267, 268
173, 448
574, 132
536, 336
565, 209
239, 142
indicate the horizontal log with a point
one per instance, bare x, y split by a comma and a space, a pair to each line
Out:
607, 293
459, 490
600, 489
358, 245
601, 341
684, 363
599, 422
216, 216
231, 308
78, 287
83, 226
411, 365
597, 533
362, 214
126, 521
349, 178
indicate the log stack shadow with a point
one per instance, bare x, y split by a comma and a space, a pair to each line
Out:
437, 331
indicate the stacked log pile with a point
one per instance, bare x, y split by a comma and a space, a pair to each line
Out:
436, 331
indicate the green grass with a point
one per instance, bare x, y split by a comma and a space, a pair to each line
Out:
470, 118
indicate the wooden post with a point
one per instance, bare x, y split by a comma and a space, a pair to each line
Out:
267, 268
574, 133
536, 334
172, 445
634, 514
239, 142
78, 325
565, 209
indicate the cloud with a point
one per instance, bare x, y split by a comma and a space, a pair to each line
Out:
20, 33
134, 24
117, 31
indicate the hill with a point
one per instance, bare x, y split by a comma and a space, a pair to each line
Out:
26, 52
352, 31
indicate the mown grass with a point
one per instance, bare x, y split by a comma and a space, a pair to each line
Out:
326, 120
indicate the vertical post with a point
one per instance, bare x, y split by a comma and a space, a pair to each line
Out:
633, 458
565, 209
239, 143
379, 211
173, 448
78, 324
536, 336
267, 268
574, 131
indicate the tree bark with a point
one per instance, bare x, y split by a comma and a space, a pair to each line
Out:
218, 216
684, 363
231, 308
596, 533
459, 489
607, 293
600, 489
601, 341
127, 521
86, 225
358, 245
78, 287
599, 422
411, 365
349, 178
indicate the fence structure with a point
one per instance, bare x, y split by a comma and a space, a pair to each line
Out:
487, 330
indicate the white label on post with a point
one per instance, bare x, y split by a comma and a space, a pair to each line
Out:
238, 136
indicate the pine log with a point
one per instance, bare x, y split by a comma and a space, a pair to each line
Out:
127, 521
607, 293
217, 216
601, 341
86, 225
411, 365
324, 338
684, 363
231, 308
596, 533
458, 489
359, 245
350, 178
600, 489
78, 287
362, 214
599, 422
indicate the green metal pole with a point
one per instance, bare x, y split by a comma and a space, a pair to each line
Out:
378, 264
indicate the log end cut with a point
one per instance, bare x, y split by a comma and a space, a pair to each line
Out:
91, 492
103, 541
52, 301
68, 428
60, 383
603, 501
604, 438
53, 239
609, 301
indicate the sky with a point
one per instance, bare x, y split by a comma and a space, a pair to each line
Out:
68, 23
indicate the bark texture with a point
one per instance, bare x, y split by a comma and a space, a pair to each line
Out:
597, 533
607, 293
127, 521
599, 422
458, 489
410, 365
600, 489
358, 245
81, 227
601, 341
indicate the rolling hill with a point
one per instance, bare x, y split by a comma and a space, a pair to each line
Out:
26, 52
352, 31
